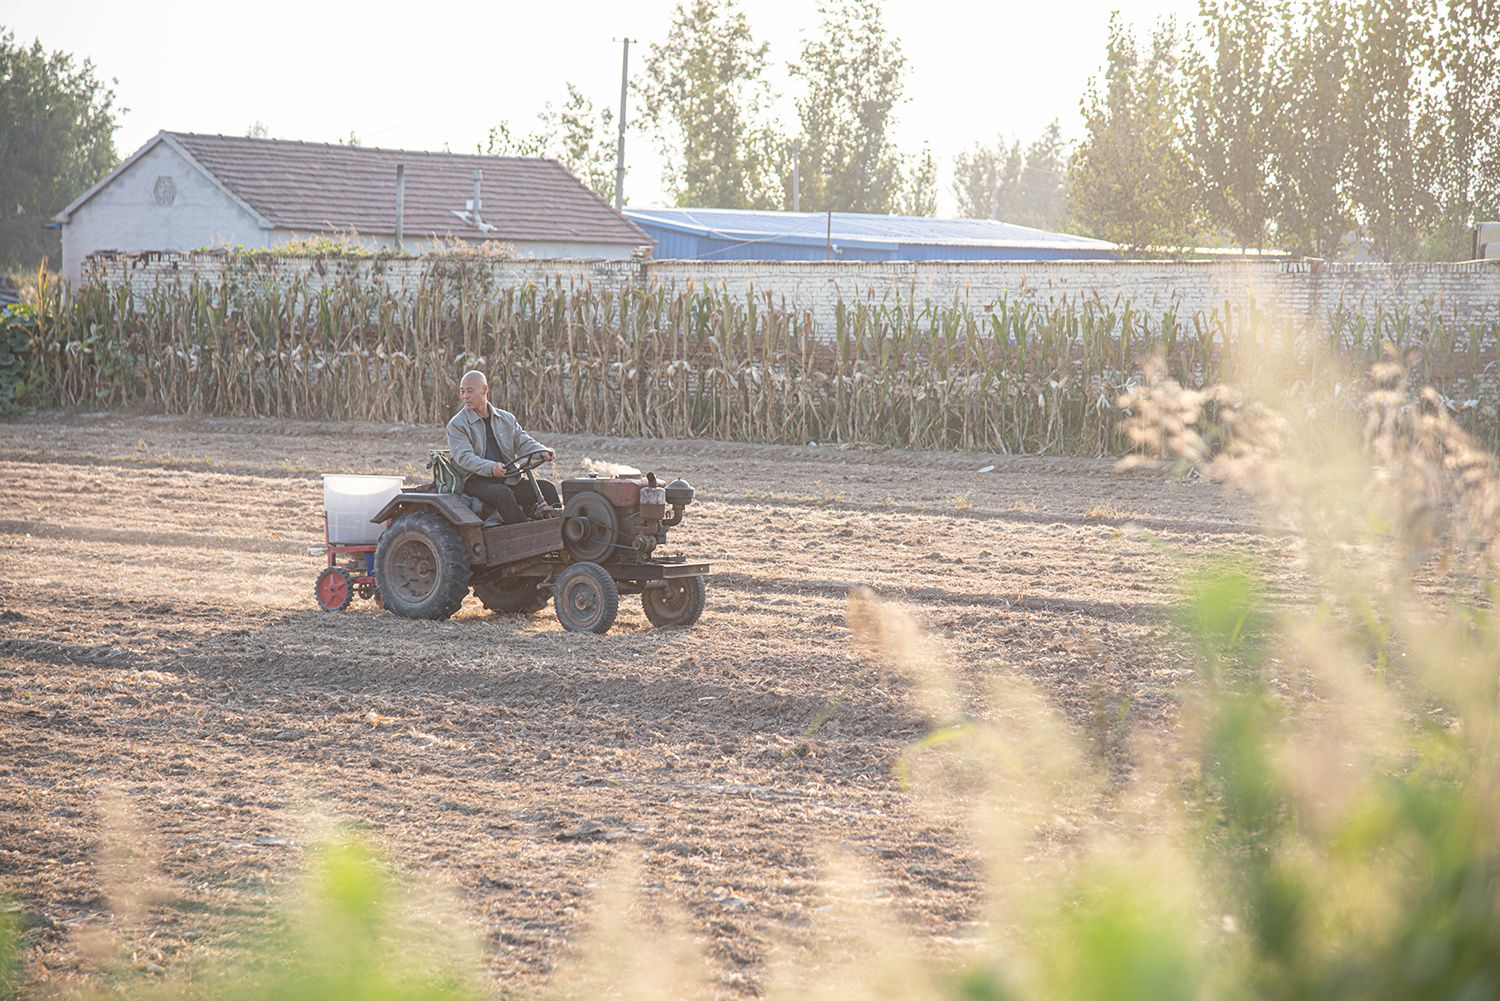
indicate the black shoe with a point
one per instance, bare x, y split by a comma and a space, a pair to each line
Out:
492, 521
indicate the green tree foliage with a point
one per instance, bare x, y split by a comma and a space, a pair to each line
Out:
1237, 101
987, 180
771, 152
57, 126
852, 69
583, 140
1044, 182
1130, 177
1313, 125
1026, 187
577, 135
1386, 176
918, 194
1311, 139
1460, 122
704, 95
502, 141
707, 100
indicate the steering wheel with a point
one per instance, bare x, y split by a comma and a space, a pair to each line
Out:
527, 462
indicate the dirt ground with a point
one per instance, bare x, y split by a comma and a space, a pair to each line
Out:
165, 671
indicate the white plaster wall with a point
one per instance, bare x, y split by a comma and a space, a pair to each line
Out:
124, 215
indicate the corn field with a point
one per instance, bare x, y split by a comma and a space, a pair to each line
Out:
698, 362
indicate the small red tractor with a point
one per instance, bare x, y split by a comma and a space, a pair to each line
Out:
435, 549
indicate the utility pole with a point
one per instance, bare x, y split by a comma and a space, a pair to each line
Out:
400, 205
796, 186
620, 146
828, 240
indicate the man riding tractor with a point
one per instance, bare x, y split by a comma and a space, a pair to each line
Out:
580, 550
482, 441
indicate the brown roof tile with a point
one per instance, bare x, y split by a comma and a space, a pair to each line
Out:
326, 187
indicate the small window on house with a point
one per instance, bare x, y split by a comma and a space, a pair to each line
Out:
165, 191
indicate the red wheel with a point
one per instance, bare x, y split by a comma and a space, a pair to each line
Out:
333, 589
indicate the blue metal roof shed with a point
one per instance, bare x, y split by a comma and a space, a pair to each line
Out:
746, 235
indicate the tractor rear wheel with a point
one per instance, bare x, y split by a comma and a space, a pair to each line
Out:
679, 603
422, 566
518, 596
586, 599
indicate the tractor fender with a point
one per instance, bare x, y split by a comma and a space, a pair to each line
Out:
450, 506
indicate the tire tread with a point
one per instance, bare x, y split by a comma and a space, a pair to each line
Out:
455, 572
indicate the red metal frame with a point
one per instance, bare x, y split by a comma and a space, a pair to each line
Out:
334, 551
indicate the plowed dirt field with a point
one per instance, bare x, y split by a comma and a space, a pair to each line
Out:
162, 660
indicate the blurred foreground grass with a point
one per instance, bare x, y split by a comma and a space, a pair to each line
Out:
1323, 825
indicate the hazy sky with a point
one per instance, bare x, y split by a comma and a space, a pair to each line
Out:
416, 76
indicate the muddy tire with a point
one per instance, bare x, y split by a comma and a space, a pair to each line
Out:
422, 566
518, 596
678, 604
586, 599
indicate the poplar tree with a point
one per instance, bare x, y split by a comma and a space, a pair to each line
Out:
1386, 175
987, 180
1310, 156
1460, 123
1043, 199
1026, 187
852, 68
1238, 97
1130, 179
704, 96
918, 194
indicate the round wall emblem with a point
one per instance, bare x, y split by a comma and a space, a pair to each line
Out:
165, 191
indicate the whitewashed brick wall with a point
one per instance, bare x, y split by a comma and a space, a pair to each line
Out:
1299, 289
1306, 290
145, 271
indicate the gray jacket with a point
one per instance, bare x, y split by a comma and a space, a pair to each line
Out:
466, 441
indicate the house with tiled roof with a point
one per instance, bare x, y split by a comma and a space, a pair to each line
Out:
185, 191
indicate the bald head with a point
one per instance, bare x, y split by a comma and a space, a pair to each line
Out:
474, 390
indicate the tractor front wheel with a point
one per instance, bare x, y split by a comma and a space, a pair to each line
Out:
586, 599
678, 603
422, 566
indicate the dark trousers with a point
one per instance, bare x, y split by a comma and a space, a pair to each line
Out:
510, 501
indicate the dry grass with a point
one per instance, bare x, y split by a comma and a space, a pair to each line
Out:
1103, 512
1013, 377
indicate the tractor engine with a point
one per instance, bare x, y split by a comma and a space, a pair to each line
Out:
620, 519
